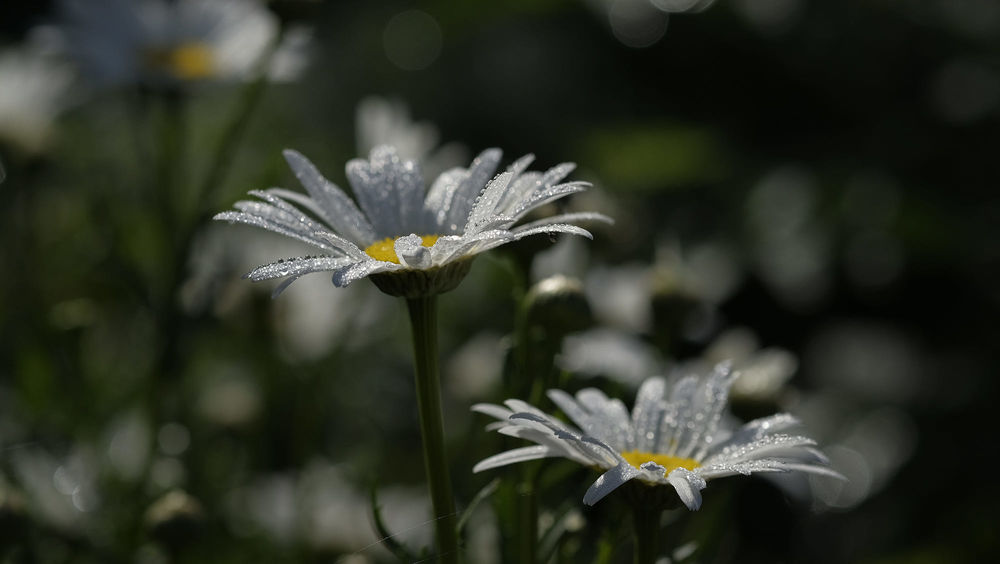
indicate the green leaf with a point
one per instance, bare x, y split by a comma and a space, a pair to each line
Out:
386, 538
484, 493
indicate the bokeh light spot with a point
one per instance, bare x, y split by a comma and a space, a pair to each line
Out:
412, 40
636, 24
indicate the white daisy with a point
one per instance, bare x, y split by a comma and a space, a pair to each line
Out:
169, 41
411, 244
674, 436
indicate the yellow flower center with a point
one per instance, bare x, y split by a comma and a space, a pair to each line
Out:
637, 458
385, 250
186, 61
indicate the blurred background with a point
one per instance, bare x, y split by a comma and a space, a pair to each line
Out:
805, 187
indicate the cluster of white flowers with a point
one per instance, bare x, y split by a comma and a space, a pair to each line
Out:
409, 243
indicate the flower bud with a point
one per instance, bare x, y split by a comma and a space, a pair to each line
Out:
558, 305
175, 519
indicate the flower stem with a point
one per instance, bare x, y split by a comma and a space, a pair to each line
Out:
527, 519
646, 527
423, 320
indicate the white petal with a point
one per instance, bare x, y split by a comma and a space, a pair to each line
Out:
546, 196
464, 195
513, 456
611, 421
484, 205
679, 407
756, 429
557, 173
520, 189
477, 243
646, 414
571, 408
342, 245
439, 200
296, 267
445, 249
688, 486
608, 482
334, 206
492, 410
359, 270
594, 450
714, 395
558, 446
412, 253
269, 218
524, 231
765, 447
567, 218
389, 190
520, 406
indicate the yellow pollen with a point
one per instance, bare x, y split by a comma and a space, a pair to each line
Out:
385, 250
186, 61
637, 458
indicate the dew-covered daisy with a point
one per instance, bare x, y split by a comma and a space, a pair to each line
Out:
675, 435
410, 243
169, 41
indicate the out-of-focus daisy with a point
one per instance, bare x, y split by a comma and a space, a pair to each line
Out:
674, 436
168, 42
379, 121
411, 244
764, 372
34, 88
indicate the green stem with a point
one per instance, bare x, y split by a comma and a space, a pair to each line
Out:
646, 527
194, 210
229, 141
423, 320
528, 515
172, 157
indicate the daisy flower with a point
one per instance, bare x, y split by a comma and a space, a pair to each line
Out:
409, 243
170, 42
675, 436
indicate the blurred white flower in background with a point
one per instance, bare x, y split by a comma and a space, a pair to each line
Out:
620, 296
61, 491
618, 355
380, 121
707, 271
34, 88
623, 297
473, 370
161, 42
763, 373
